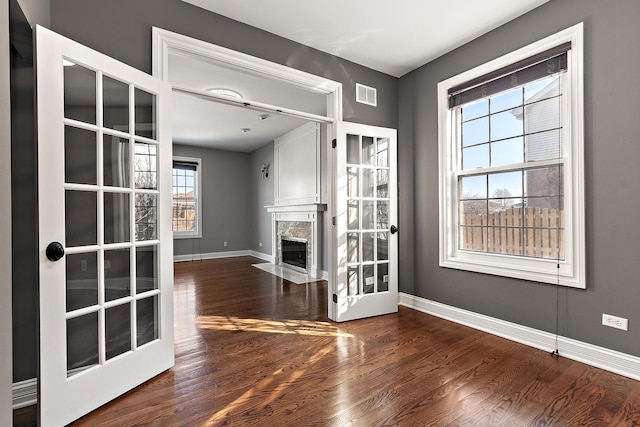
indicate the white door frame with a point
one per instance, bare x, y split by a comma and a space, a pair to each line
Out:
165, 42
6, 366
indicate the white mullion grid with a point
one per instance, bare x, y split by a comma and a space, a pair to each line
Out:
81, 249
147, 294
82, 311
117, 302
81, 187
101, 271
121, 245
116, 133
132, 218
81, 125
146, 140
143, 243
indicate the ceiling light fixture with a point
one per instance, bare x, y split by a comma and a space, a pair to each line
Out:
225, 92
264, 116
245, 130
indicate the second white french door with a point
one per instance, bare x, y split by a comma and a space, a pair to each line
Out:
365, 230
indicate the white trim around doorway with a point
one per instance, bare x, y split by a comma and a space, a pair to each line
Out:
165, 42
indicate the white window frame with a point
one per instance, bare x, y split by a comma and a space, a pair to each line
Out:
197, 233
570, 271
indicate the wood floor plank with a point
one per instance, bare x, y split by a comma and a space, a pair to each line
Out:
253, 349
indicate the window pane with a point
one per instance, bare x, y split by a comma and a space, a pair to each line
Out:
116, 218
544, 181
145, 114
543, 115
507, 124
146, 166
475, 157
146, 268
80, 165
474, 187
80, 94
506, 100
116, 161
368, 151
146, 216
352, 214
475, 132
473, 212
353, 149
541, 89
367, 215
81, 218
382, 158
352, 182
117, 332
117, 274
507, 184
147, 320
475, 110
81, 280
82, 343
116, 104
507, 151
473, 238
543, 146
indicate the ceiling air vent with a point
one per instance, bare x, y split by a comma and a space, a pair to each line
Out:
366, 95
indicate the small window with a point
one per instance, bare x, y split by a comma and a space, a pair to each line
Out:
187, 211
511, 164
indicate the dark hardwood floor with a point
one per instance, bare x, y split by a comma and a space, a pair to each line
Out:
253, 349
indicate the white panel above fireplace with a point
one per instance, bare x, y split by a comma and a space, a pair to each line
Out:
297, 167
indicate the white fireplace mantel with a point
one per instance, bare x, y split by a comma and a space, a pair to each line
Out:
300, 213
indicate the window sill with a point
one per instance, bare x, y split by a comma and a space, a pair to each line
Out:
531, 269
178, 236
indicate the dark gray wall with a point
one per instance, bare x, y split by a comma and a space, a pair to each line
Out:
122, 29
612, 103
261, 195
225, 197
6, 371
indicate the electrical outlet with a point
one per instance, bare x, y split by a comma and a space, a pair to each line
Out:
260, 244
225, 243
615, 322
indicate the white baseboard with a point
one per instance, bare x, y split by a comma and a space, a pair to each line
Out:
25, 393
210, 255
264, 257
600, 357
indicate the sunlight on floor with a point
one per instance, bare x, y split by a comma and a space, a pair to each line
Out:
255, 399
297, 327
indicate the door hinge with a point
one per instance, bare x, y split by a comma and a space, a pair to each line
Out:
335, 298
334, 143
333, 220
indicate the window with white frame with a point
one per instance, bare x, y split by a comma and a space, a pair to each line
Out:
187, 210
511, 164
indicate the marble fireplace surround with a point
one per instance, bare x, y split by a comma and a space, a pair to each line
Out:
300, 222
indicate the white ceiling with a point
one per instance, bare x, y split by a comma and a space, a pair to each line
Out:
391, 37
394, 37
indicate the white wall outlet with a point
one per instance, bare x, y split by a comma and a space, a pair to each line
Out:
615, 322
224, 243
260, 244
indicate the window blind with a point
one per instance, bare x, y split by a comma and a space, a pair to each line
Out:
183, 165
543, 64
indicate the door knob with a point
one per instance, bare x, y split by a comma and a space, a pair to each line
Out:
55, 251
394, 229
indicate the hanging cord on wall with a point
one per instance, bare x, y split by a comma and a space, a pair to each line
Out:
556, 352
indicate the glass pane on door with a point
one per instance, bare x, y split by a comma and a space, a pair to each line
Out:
110, 209
367, 215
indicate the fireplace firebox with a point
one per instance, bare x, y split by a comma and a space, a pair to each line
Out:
294, 252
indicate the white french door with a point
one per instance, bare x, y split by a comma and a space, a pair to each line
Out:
106, 272
365, 238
